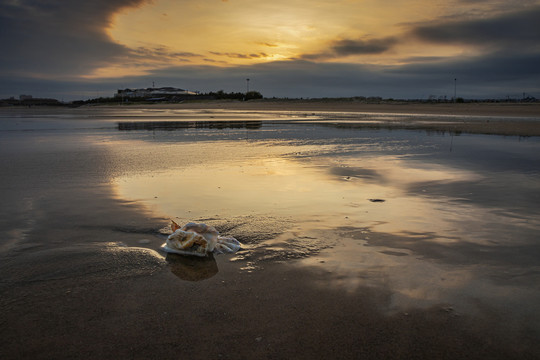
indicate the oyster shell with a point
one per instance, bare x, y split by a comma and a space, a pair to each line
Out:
208, 232
199, 240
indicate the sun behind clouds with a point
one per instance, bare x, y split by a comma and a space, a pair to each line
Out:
217, 32
243, 32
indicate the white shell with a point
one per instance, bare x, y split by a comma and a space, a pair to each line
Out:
208, 232
182, 241
199, 240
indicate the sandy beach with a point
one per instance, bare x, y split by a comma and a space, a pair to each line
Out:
480, 118
363, 176
486, 109
372, 236
482, 124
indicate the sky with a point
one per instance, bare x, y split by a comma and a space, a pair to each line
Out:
74, 49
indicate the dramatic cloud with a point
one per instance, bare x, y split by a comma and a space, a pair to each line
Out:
58, 37
347, 47
355, 47
240, 56
497, 75
161, 53
74, 49
513, 29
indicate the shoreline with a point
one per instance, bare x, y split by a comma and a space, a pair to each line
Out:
471, 109
507, 119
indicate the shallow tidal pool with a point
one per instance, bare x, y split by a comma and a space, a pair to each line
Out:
433, 217
430, 217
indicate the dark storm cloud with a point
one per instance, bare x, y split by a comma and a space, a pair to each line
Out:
493, 67
347, 47
517, 30
239, 55
495, 75
358, 47
162, 53
48, 37
510, 29
64, 37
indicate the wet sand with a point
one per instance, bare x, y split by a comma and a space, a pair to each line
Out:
141, 312
520, 119
487, 109
478, 118
81, 276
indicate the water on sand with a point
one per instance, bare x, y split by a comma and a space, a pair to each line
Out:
435, 217
432, 218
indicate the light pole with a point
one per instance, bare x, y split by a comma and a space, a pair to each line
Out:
455, 88
247, 88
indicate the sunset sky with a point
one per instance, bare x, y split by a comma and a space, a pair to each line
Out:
70, 49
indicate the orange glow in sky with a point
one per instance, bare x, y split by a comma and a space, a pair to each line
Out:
238, 32
290, 48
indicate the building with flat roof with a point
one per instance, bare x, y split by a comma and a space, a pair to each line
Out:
153, 92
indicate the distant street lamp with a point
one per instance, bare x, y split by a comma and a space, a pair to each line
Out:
455, 89
247, 81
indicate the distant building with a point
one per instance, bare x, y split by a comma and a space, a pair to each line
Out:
153, 92
25, 97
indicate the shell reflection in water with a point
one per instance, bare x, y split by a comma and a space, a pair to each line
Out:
191, 268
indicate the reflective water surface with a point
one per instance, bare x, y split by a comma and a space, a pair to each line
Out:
433, 217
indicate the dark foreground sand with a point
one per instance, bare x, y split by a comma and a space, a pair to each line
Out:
68, 289
143, 312
95, 300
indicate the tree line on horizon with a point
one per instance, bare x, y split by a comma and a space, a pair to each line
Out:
239, 96
218, 95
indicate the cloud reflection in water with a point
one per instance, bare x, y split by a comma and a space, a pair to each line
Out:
453, 225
